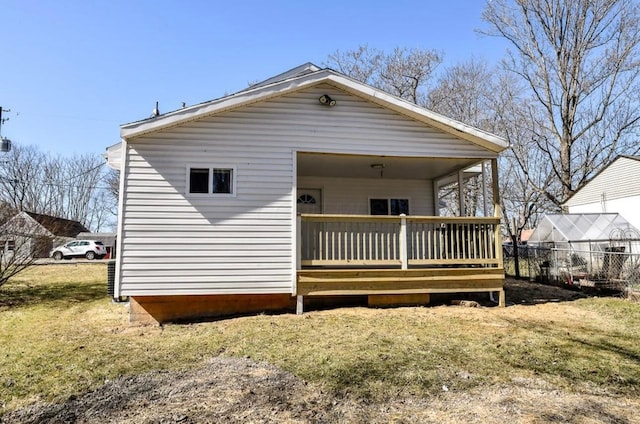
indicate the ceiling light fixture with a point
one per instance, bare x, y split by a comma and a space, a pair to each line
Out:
379, 166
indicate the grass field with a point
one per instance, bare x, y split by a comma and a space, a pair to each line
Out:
61, 335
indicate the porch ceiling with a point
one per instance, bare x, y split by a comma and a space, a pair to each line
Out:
359, 166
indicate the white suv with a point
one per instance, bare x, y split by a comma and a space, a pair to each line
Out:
90, 249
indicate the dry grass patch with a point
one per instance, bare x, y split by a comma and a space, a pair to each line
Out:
62, 336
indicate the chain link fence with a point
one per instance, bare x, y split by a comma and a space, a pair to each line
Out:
610, 267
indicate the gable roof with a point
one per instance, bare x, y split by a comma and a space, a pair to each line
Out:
306, 76
58, 226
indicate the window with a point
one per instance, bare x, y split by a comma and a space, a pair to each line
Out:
389, 206
307, 199
217, 181
11, 245
222, 181
199, 180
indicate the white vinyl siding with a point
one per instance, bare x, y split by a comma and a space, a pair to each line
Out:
174, 244
351, 195
618, 180
614, 190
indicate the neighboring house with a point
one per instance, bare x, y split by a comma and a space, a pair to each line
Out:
615, 189
108, 239
289, 189
34, 235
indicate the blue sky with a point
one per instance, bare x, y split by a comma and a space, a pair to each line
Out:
73, 71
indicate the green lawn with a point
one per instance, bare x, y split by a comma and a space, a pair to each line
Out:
61, 335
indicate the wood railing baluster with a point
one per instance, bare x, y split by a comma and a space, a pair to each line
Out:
377, 240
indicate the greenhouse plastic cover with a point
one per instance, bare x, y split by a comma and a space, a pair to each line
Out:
582, 227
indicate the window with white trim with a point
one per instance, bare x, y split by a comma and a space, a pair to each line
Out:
211, 180
388, 206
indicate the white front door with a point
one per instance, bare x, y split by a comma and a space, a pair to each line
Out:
309, 200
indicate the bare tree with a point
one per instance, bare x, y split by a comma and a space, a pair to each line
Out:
65, 187
16, 248
404, 72
524, 167
496, 101
579, 59
19, 168
76, 185
465, 92
102, 211
490, 99
360, 64
6, 212
112, 180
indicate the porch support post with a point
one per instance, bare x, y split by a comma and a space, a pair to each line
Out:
436, 198
298, 242
502, 302
495, 188
461, 206
403, 242
496, 208
485, 200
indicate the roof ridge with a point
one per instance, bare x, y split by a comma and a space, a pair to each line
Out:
305, 68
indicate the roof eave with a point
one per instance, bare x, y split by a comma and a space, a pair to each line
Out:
213, 107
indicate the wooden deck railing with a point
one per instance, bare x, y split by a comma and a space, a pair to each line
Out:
398, 241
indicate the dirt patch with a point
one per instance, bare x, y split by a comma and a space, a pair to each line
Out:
226, 390
240, 390
520, 292
233, 390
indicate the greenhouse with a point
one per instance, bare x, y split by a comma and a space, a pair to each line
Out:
586, 249
583, 230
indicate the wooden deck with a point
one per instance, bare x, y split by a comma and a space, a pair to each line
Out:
374, 255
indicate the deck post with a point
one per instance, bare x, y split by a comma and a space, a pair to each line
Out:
403, 242
299, 304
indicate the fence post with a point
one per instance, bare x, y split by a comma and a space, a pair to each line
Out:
516, 256
403, 242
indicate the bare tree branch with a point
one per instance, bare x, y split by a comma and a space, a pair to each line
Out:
580, 60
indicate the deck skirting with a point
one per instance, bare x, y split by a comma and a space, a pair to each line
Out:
325, 282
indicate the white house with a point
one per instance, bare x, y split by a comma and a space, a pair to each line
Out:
295, 187
616, 188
